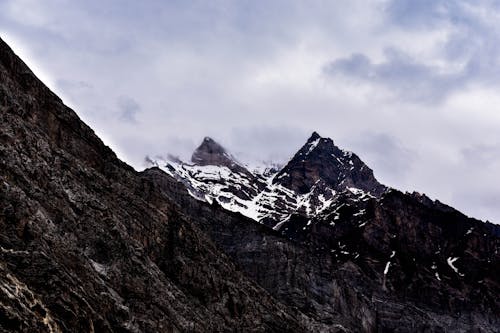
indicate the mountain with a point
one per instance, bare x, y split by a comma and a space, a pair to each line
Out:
87, 244
346, 249
403, 265
319, 161
310, 182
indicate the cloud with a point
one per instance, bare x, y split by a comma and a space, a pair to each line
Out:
402, 75
482, 155
129, 109
421, 14
468, 54
73, 85
263, 143
390, 159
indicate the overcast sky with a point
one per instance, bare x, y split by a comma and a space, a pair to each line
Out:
410, 86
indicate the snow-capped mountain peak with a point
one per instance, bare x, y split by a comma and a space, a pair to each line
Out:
307, 185
320, 160
212, 153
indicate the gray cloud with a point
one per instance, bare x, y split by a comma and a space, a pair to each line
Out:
266, 143
73, 85
128, 109
485, 203
481, 155
401, 74
421, 14
389, 158
468, 54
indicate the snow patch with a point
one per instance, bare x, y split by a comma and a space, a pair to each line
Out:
386, 269
361, 212
313, 145
451, 261
99, 268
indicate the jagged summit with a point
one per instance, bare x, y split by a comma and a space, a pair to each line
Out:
317, 174
211, 152
321, 160
314, 136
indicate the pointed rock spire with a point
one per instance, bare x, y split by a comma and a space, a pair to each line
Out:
211, 152
320, 160
314, 136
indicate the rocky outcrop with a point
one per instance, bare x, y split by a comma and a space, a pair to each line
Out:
212, 153
319, 160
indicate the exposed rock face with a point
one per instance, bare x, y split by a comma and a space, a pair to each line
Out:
319, 160
211, 153
83, 250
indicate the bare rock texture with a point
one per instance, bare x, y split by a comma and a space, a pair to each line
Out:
321, 160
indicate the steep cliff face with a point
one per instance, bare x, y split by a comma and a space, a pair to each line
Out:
82, 250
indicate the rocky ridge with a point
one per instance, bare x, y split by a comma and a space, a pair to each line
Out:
308, 184
366, 266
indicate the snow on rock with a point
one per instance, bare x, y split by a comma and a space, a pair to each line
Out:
386, 269
356, 191
262, 194
99, 268
361, 212
451, 261
313, 145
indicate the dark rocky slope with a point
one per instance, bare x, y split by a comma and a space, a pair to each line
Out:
83, 250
